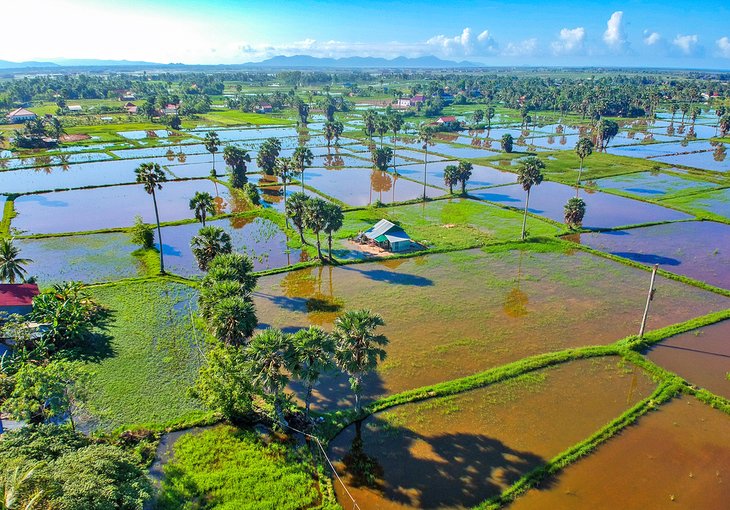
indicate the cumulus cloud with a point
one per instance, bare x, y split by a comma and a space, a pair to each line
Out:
723, 47
526, 48
686, 44
615, 36
464, 44
570, 41
652, 38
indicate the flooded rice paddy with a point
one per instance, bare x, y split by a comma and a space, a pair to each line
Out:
481, 176
652, 184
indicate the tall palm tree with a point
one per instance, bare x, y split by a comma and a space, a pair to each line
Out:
11, 265
283, 170
269, 355
358, 348
425, 136
151, 176
203, 205
212, 143
296, 209
313, 352
575, 210
237, 158
529, 174
302, 158
583, 149
233, 319
450, 177
395, 122
209, 242
335, 219
315, 218
463, 174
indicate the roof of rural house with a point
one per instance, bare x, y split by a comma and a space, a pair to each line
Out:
382, 228
18, 294
418, 97
449, 118
20, 112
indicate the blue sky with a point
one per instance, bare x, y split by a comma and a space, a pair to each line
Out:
628, 33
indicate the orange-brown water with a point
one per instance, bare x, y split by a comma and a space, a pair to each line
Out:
455, 452
677, 457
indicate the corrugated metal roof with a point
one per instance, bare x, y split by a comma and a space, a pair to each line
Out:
379, 228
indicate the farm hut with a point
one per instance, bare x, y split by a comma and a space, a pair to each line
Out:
20, 115
388, 236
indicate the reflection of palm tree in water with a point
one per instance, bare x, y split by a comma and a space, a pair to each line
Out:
379, 182
515, 302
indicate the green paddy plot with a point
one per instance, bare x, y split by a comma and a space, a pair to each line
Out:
702, 357
649, 185
85, 258
676, 457
442, 224
714, 202
455, 452
150, 358
455, 314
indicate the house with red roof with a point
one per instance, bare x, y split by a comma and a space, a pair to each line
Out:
264, 108
17, 297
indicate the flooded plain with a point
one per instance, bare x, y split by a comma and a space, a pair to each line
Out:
652, 184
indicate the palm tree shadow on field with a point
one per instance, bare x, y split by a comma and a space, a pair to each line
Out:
448, 470
333, 392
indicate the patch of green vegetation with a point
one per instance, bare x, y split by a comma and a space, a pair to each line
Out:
227, 468
704, 204
8, 214
149, 260
152, 356
236, 117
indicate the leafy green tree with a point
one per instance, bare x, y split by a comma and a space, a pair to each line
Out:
208, 243
451, 173
382, 158
529, 174
151, 176
212, 143
315, 219
425, 136
507, 143
12, 266
575, 210
223, 384
477, 117
724, 124
148, 109
268, 154
463, 174
142, 234
358, 348
202, 204
175, 122
334, 221
302, 158
237, 158
313, 351
269, 366
583, 149
295, 209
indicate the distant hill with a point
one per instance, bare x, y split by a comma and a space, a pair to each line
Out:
296, 61
6, 64
92, 62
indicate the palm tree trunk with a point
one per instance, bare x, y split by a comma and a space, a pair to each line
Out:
463, 187
301, 234
329, 242
425, 162
286, 218
159, 232
302, 172
580, 172
308, 399
279, 412
395, 148
319, 249
524, 220
214, 174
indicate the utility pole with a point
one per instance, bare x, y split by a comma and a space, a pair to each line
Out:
649, 298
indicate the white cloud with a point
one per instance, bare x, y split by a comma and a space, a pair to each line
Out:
652, 38
687, 44
526, 48
614, 36
570, 41
464, 44
723, 47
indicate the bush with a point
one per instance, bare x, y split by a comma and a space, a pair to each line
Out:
142, 233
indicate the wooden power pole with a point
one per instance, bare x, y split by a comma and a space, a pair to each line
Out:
652, 290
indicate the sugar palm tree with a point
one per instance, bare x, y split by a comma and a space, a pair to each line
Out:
203, 205
283, 170
583, 149
209, 242
233, 320
395, 123
302, 158
296, 209
212, 143
463, 174
269, 355
151, 176
425, 136
358, 348
236, 158
450, 177
335, 219
315, 218
529, 174
313, 354
11, 265
575, 210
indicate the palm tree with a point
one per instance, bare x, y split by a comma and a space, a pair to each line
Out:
583, 149
236, 158
302, 158
13, 483
202, 203
209, 242
358, 349
450, 177
212, 143
335, 219
313, 352
233, 319
529, 174
315, 218
329, 132
283, 170
575, 209
296, 209
269, 355
234, 267
382, 126
425, 136
395, 122
507, 142
382, 158
463, 174
370, 119
150, 175
11, 266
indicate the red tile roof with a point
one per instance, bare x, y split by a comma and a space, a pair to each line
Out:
450, 118
18, 294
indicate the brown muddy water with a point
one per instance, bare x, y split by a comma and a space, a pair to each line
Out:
455, 452
452, 315
676, 457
